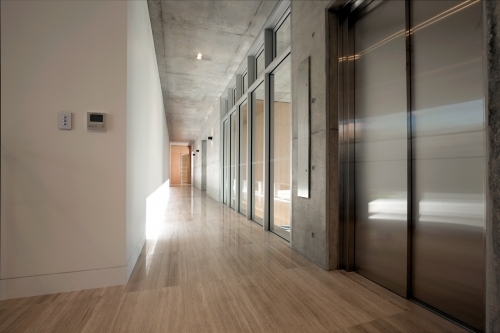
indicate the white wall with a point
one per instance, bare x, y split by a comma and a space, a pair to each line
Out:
73, 202
148, 147
62, 192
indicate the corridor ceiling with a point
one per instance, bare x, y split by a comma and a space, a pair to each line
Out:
222, 31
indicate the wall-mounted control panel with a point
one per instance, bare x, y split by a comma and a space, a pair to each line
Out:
96, 122
64, 120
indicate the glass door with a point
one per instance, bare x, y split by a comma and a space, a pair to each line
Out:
243, 157
225, 153
233, 142
281, 148
258, 154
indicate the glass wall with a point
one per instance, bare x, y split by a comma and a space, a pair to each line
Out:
224, 161
260, 63
258, 154
233, 160
281, 144
243, 157
245, 82
258, 134
282, 36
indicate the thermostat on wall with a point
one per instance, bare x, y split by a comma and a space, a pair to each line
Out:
96, 121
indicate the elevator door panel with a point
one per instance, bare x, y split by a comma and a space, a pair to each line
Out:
380, 169
449, 158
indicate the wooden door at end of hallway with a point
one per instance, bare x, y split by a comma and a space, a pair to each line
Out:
176, 175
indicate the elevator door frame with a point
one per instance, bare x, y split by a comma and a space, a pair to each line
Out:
346, 16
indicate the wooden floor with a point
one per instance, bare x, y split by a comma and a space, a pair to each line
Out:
206, 268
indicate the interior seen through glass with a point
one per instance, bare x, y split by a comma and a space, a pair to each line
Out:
281, 150
258, 153
243, 157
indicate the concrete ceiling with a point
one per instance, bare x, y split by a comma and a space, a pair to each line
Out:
222, 31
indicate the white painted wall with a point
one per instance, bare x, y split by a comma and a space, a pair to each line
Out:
62, 192
73, 203
148, 147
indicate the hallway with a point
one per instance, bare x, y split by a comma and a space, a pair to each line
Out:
205, 268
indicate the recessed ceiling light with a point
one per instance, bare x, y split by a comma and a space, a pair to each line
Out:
199, 56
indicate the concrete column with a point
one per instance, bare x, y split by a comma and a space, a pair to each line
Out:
492, 11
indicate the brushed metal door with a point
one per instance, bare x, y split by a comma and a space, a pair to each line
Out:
448, 265
380, 171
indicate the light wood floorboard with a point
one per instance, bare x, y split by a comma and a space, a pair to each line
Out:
208, 269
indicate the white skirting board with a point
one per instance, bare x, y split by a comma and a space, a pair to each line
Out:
135, 255
62, 282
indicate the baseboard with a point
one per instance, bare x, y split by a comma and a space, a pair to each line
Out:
62, 282
135, 255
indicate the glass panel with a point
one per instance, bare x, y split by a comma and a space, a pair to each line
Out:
260, 65
449, 158
258, 154
224, 161
243, 157
233, 160
380, 169
282, 36
245, 82
281, 147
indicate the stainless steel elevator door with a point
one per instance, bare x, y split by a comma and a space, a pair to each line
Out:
449, 158
380, 171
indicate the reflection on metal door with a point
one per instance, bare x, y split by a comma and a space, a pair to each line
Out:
380, 169
184, 168
412, 129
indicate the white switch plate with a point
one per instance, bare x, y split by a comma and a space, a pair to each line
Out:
64, 120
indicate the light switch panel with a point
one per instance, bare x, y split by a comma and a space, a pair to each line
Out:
64, 120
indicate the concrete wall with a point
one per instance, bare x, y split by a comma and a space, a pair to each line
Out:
148, 147
211, 127
73, 202
493, 189
310, 215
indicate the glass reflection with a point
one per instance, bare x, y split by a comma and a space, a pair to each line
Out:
258, 153
245, 82
281, 150
282, 36
243, 157
233, 160
225, 179
259, 64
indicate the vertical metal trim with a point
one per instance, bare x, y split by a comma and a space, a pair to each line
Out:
350, 140
267, 148
409, 190
340, 115
488, 318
